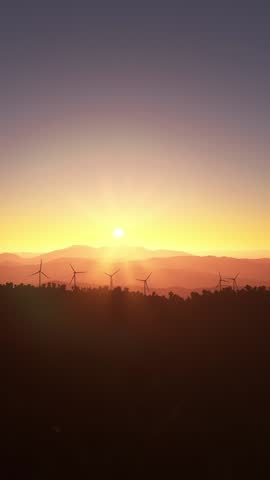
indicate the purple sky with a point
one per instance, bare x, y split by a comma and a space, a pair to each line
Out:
102, 105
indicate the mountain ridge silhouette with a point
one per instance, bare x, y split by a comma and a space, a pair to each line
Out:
188, 272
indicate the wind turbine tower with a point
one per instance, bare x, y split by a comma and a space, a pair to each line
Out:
234, 282
145, 284
221, 281
39, 273
74, 277
111, 275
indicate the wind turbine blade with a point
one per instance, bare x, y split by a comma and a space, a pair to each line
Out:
42, 273
35, 273
149, 276
237, 276
115, 272
107, 274
71, 280
81, 272
139, 280
72, 267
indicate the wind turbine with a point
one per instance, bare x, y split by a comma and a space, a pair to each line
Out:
145, 284
233, 280
111, 275
221, 280
74, 279
39, 273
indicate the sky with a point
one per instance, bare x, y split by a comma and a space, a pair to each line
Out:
153, 118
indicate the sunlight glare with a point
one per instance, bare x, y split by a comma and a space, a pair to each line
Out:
118, 233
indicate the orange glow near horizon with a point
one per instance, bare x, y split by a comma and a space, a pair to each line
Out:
28, 235
165, 194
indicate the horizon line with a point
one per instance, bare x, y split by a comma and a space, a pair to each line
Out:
222, 252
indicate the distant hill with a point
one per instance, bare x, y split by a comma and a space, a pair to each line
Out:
180, 272
237, 253
118, 253
10, 257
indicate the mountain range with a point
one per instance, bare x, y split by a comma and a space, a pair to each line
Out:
172, 270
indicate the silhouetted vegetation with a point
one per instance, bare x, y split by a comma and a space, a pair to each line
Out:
96, 383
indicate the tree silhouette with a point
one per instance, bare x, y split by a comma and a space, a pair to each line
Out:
135, 383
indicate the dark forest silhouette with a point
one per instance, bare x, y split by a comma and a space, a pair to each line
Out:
98, 382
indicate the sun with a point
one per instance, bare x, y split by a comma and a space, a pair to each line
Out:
118, 233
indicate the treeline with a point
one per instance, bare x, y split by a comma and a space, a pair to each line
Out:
98, 382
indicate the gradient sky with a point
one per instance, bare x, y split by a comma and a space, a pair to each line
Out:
154, 119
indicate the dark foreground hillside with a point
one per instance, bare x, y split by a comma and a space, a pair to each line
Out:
98, 384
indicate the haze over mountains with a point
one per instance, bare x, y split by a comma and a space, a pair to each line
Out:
84, 251
236, 253
172, 270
